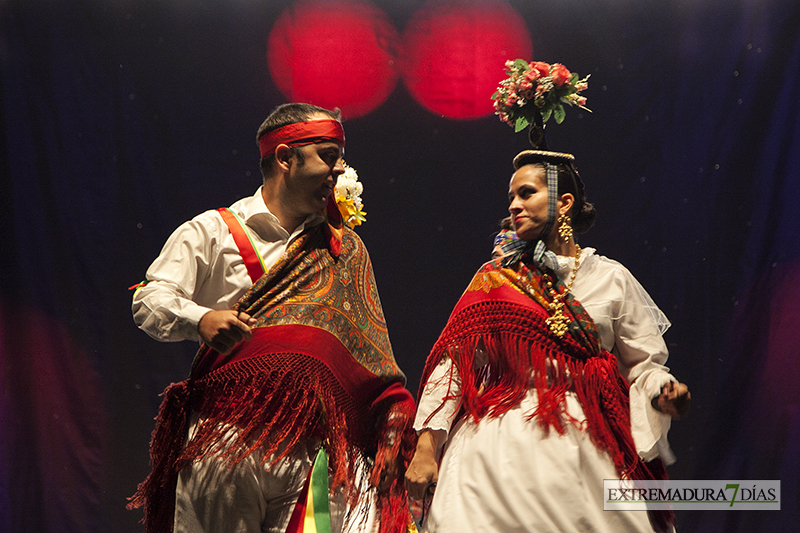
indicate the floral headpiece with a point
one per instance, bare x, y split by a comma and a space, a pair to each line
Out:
536, 91
532, 93
348, 197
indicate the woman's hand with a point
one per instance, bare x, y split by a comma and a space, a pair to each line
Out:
389, 471
423, 469
674, 400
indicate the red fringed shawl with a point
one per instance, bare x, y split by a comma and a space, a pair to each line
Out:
502, 313
319, 364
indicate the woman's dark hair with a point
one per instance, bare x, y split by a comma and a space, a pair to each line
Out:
583, 213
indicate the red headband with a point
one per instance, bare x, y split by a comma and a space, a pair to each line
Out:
301, 134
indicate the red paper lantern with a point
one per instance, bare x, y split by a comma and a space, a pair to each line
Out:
334, 54
455, 53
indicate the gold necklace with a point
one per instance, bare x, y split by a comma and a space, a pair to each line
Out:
558, 321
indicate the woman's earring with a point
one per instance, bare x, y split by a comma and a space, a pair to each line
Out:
564, 227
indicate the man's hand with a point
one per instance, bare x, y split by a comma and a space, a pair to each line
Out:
674, 400
222, 330
423, 469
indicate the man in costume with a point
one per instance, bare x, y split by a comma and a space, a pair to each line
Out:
295, 371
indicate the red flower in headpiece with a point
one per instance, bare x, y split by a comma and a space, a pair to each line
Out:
542, 68
560, 74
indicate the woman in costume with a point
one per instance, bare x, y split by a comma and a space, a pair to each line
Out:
549, 376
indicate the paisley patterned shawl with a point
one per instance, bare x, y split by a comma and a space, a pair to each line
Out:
309, 287
502, 348
319, 364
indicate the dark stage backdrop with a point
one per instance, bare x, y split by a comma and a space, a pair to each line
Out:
122, 119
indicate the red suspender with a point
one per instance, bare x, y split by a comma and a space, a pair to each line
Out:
251, 258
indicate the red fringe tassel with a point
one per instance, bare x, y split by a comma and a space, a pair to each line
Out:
275, 403
524, 355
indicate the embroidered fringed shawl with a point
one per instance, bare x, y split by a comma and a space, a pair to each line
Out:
501, 348
319, 365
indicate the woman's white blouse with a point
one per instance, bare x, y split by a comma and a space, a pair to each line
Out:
630, 326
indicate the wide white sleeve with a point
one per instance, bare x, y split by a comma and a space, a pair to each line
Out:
439, 402
642, 354
165, 306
